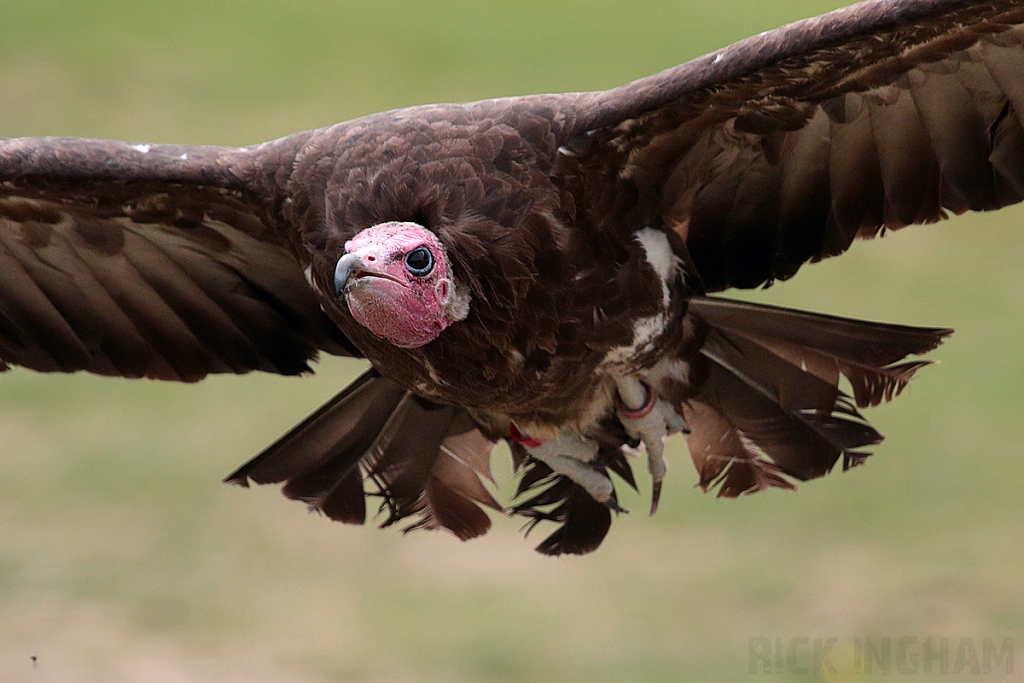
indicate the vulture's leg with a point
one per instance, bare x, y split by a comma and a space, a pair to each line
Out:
649, 418
570, 455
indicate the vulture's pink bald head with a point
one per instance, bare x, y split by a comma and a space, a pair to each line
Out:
397, 284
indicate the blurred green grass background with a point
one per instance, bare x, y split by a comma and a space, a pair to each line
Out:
122, 557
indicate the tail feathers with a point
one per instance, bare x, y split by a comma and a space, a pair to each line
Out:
348, 423
868, 354
454, 487
425, 460
725, 458
743, 441
421, 467
762, 400
770, 404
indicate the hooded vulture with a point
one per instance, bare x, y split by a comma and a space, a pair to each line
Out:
539, 270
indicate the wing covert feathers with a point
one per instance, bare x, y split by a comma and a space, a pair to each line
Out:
786, 147
161, 281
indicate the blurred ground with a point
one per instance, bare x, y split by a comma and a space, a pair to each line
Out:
122, 557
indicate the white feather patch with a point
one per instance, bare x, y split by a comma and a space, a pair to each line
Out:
661, 257
645, 331
457, 305
665, 264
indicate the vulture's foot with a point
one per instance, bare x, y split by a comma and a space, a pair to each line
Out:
649, 418
571, 455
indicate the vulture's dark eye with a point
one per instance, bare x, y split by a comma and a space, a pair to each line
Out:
419, 261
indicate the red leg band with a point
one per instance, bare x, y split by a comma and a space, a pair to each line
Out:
642, 411
517, 436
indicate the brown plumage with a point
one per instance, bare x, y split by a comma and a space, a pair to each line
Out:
575, 240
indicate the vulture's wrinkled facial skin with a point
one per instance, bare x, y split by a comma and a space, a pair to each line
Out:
397, 284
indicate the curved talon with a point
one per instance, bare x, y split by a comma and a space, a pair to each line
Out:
655, 496
614, 506
650, 423
657, 466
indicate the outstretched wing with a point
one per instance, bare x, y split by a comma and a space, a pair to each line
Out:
785, 147
156, 261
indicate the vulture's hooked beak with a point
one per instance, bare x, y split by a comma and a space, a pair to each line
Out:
347, 264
